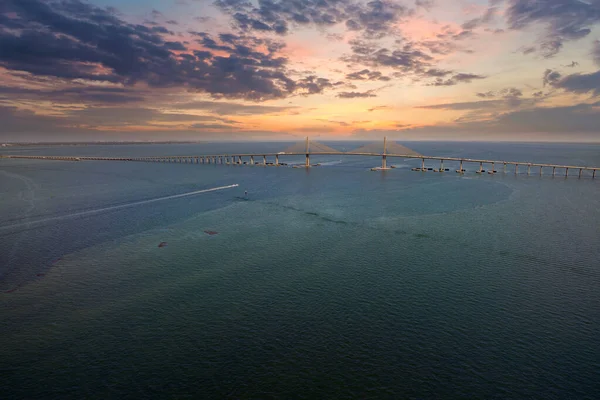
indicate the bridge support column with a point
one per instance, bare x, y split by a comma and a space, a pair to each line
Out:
504, 170
528, 169
594, 174
541, 170
307, 161
264, 160
251, 160
516, 169
277, 160
441, 165
566, 171
493, 169
460, 168
553, 171
383, 162
422, 164
580, 170
240, 161
480, 167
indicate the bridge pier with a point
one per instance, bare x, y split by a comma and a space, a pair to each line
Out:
265, 160
580, 169
594, 174
240, 161
541, 170
493, 168
480, 167
307, 161
441, 165
251, 160
277, 160
553, 171
383, 162
460, 168
422, 164
516, 169
566, 171
504, 168
528, 169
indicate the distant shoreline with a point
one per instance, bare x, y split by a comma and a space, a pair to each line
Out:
21, 144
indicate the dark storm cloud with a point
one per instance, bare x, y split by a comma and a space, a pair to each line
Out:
580, 118
550, 77
225, 108
596, 52
203, 126
367, 75
436, 72
577, 118
426, 4
456, 79
466, 105
507, 93
95, 119
353, 95
574, 83
375, 18
406, 57
93, 95
24, 121
564, 20
313, 84
486, 18
74, 40
126, 116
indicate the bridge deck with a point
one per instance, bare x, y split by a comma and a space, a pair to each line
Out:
152, 158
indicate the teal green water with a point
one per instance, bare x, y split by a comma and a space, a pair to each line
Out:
336, 282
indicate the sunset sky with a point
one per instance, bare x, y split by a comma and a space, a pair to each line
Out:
284, 69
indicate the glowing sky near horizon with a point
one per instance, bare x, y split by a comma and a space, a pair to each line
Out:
282, 69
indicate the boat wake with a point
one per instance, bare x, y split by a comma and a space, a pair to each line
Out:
117, 207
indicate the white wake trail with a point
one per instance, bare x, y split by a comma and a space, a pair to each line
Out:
136, 203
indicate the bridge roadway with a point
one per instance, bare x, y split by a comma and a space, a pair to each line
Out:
237, 159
